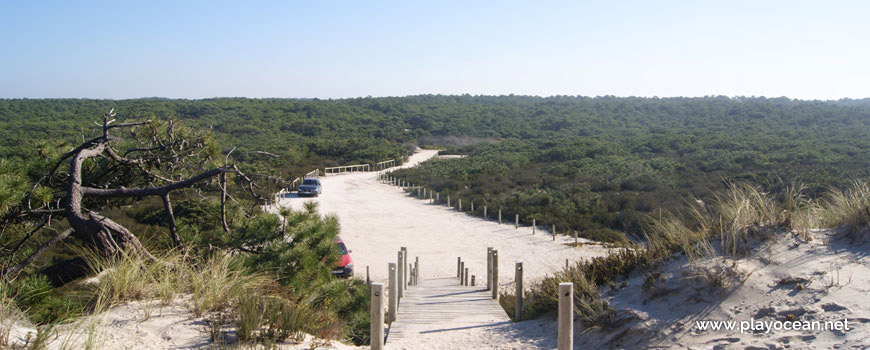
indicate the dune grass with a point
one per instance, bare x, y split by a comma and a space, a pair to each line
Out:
711, 236
212, 282
220, 287
587, 276
847, 208
221, 279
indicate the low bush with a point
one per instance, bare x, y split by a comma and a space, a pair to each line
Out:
40, 302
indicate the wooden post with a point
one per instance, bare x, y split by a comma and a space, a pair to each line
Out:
448, 201
399, 273
377, 316
554, 232
484, 213
368, 281
405, 261
462, 271
517, 221
472, 280
566, 265
499, 216
566, 316
495, 274
416, 270
472, 207
518, 280
460, 204
533, 226
458, 267
575, 238
488, 267
465, 279
393, 305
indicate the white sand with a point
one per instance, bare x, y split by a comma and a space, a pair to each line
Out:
377, 219
145, 325
837, 287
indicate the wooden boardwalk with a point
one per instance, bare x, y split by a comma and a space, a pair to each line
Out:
439, 305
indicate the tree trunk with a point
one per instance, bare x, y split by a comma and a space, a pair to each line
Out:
173, 231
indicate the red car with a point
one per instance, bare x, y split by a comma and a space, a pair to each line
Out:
344, 265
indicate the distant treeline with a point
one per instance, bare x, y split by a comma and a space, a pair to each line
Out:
597, 165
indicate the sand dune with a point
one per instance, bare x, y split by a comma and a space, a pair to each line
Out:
825, 279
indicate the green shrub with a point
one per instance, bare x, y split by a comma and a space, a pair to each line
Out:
41, 302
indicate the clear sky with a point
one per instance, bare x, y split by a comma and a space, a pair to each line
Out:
334, 49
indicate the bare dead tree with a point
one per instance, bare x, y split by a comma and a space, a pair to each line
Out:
163, 159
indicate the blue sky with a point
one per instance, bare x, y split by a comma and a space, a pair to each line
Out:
335, 49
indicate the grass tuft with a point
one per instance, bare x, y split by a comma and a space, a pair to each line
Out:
708, 234
848, 208
220, 279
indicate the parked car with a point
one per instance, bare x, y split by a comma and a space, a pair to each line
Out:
344, 265
310, 187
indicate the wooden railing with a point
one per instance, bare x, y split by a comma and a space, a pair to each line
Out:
346, 169
402, 274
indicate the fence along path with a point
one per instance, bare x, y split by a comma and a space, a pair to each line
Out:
441, 305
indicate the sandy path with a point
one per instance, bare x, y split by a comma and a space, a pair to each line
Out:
377, 219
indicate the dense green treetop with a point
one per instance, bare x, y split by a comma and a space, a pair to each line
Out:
611, 158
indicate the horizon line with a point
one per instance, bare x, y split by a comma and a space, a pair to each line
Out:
732, 97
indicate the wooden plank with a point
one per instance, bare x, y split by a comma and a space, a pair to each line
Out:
439, 305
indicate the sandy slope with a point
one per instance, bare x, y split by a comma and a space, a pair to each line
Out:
144, 325
834, 275
824, 279
377, 219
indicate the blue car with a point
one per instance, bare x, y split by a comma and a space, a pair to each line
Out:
310, 187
